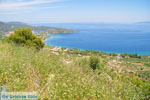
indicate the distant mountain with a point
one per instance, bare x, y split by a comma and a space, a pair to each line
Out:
1, 23
146, 22
16, 23
6, 28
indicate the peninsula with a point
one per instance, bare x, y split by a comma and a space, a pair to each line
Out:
8, 28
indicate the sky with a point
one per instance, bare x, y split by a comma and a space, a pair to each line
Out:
75, 11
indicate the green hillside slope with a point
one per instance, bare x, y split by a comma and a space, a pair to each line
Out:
62, 74
5, 28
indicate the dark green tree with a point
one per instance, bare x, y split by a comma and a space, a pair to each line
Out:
25, 37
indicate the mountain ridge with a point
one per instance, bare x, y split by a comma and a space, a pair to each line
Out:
6, 28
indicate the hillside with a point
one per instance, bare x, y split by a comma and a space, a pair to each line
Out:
64, 74
6, 28
15, 22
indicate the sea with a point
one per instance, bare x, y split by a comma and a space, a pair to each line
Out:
110, 38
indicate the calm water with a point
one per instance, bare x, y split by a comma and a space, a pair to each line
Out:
117, 38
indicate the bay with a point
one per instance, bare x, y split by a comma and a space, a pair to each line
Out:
111, 38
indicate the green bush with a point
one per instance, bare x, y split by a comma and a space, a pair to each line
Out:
124, 55
24, 36
134, 56
96, 62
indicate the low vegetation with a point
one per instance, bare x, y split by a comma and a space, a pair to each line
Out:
126, 55
71, 74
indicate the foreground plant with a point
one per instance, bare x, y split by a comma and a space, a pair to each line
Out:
25, 36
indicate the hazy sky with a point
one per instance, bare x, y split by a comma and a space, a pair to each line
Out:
61, 11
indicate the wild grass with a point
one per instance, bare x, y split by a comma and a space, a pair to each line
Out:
24, 69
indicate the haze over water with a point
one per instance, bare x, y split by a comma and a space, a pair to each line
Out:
113, 38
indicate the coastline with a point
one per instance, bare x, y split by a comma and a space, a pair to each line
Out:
108, 52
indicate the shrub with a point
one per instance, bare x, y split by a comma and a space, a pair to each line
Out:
96, 62
134, 56
113, 54
25, 37
124, 55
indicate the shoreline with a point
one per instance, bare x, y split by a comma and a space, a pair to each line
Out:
108, 52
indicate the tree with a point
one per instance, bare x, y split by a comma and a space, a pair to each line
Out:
24, 36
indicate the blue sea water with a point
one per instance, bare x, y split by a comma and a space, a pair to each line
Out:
112, 38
